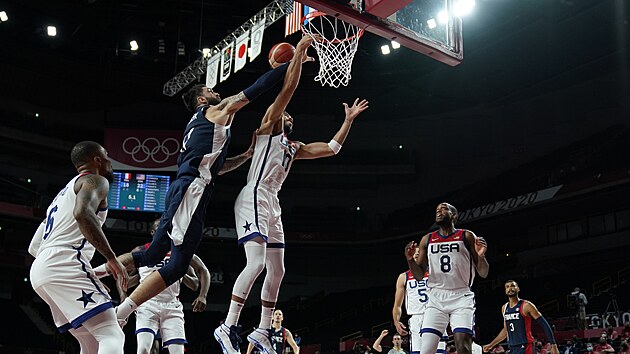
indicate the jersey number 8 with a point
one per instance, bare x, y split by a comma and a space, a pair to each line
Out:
445, 263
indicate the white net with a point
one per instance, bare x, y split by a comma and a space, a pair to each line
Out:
336, 46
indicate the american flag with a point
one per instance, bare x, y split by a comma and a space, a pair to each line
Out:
293, 21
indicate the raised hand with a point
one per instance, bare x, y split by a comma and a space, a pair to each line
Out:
481, 246
353, 111
302, 47
410, 250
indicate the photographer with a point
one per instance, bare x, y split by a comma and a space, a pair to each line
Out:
580, 302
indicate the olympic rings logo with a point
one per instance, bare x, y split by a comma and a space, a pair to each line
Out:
150, 148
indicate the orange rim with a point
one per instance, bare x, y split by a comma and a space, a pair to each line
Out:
312, 15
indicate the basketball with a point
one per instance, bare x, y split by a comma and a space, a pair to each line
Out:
281, 53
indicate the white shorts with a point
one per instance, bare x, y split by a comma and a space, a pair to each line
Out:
456, 307
257, 212
415, 325
64, 279
166, 317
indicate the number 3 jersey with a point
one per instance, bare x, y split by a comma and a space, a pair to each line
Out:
61, 229
415, 294
450, 262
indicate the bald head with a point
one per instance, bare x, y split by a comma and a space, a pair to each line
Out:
83, 152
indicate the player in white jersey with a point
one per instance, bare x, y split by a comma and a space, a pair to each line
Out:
164, 312
414, 294
257, 208
63, 246
453, 257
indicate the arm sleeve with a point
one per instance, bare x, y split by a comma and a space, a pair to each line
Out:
547, 328
265, 82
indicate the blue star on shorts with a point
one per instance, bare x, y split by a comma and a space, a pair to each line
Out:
86, 298
247, 226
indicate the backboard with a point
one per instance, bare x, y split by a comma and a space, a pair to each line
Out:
426, 26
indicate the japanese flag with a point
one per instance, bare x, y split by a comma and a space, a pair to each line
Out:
240, 55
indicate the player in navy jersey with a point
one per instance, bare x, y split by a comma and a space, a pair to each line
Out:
453, 257
63, 247
517, 321
258, 212
280, 336
201, 159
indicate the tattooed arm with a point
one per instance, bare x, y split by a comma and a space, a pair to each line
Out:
91, 190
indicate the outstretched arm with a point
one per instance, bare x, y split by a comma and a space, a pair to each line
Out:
398, 301
91, 190
479, 254
232, 163
199, 305
273, 115
530, 309
418, 269
320, 149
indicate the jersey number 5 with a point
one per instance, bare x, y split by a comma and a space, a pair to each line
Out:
423, 295
50, 220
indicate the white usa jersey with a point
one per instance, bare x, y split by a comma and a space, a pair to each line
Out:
61, 228
450, 263
169, 294
273, 155
416, 296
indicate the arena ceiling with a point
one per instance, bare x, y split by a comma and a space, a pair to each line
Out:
537, 76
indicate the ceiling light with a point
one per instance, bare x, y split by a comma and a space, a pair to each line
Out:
431, 23
36, 115
206, 52
181, 48
51, 30
463, 7
400, 147
385, 49
395, 45
3, 16
358, 208
133, 45
443, 17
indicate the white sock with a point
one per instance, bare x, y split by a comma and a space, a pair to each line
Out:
233, 313
125, 309
266, 315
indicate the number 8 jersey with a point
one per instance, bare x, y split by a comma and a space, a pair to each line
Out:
450, 262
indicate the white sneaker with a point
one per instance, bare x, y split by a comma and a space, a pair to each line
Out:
260, 339
228, 338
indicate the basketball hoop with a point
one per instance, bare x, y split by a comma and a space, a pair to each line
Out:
336, 46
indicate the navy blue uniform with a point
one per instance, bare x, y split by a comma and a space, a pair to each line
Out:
519, 329
203, 153
278, 339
